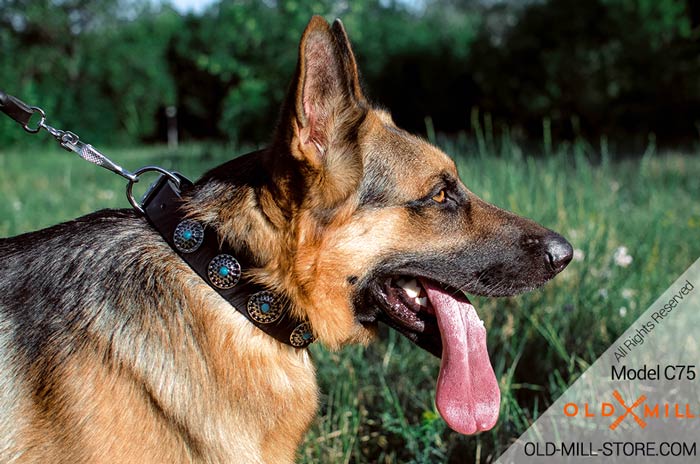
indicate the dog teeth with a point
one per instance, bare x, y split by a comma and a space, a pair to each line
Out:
412, 288
422, 301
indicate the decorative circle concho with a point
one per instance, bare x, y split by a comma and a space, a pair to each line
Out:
264, 308
224, 271
188, 236
302, 335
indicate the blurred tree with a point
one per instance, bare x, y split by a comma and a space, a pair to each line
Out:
415, 62
617, 67
245, 52
107, 68
95, 66
233, 64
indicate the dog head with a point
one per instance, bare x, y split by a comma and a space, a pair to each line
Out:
358, 221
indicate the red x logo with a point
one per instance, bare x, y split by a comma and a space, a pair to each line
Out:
628, 410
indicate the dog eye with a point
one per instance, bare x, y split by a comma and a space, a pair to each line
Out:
440, 197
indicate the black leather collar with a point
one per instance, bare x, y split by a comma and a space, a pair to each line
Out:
218, 265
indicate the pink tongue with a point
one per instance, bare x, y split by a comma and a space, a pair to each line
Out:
467, 396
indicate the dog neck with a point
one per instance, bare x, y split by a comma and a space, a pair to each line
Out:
225, 270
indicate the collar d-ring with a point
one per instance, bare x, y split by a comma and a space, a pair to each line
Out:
129, 187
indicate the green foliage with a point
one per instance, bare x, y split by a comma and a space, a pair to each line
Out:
246, 51
88, 64
107, 68
617, 67
377, 403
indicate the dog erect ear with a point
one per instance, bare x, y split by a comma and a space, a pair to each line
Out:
348, 61
325, 100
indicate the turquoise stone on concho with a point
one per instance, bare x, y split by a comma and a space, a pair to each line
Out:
188, 236
302, 335
263, 307
224, 271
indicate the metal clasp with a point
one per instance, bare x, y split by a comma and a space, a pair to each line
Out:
72, 142
130, 186
22, 113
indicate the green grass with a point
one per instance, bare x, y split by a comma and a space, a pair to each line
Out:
377, 403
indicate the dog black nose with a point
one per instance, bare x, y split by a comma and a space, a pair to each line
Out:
559, 251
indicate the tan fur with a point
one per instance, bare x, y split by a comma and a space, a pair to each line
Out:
170, 373
202, 397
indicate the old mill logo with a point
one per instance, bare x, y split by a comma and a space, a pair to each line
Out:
639, 411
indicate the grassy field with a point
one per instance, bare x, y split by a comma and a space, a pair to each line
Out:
377, 403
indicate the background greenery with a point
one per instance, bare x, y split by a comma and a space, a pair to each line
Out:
581, 115
623, 69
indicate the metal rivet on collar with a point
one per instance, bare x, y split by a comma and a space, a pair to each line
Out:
302, 335
188, 236
224, 271
264, 308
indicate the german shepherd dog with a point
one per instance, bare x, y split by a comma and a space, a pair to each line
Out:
112, 350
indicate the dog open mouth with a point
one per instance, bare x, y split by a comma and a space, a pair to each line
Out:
443, 321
